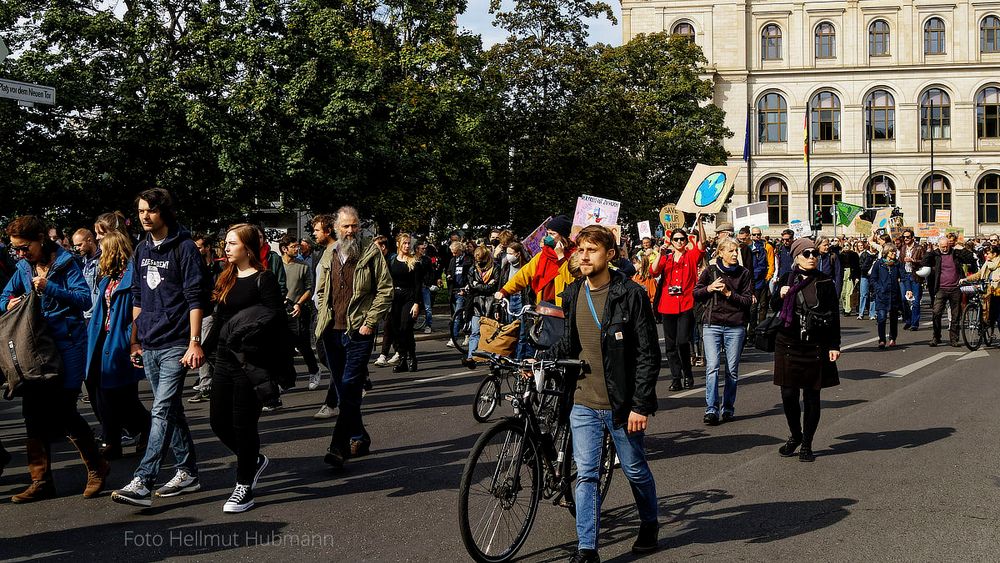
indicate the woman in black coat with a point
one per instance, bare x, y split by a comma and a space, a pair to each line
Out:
807, 345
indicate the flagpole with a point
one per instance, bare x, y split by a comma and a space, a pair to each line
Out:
749, 156
809, 207
930, 129
869, 131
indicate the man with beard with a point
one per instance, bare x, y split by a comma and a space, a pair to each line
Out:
354, 292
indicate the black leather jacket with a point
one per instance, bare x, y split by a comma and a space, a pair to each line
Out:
629, 345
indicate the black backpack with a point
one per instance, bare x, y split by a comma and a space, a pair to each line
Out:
29, 352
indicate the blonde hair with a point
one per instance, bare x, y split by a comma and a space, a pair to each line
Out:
116, 252
482, 254
411, 258
725, 244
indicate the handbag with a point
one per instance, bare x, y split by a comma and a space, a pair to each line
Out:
497, 338
29, 352
766, 332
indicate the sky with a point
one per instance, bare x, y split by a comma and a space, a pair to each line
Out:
477, 19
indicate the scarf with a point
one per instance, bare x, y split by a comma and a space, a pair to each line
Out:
731, 270
787, 314
889, 263
546, 270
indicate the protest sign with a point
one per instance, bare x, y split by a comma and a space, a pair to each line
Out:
708, 189
753, 215
671, 218
592, 210
644, 230
533, 243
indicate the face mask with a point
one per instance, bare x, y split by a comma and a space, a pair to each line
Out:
512, 259
494, 241
549, 241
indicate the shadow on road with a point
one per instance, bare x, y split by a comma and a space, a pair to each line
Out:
697, 441
890, 440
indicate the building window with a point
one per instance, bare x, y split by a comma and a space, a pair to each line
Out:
935, 114
770, 42
933, 196
934, 37
878, 39
825, 195
825, 120
989, 199
772, 119
880, 114
826, 41
988, 113
775, 193
685, 30
989, 35
876, 196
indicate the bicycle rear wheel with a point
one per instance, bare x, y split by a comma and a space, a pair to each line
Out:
487, 397
972, 332
499, 492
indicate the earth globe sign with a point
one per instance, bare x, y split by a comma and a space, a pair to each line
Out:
710, 189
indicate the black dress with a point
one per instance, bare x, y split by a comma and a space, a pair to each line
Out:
805, 363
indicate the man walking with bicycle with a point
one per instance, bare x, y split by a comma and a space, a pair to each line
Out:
609, 325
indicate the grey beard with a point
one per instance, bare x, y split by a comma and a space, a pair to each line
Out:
349, 248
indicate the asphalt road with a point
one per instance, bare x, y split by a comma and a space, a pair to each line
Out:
906, 471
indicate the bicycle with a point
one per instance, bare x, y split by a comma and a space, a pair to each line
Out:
460, 329
522, 459
976, 330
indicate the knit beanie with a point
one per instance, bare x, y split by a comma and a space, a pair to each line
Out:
560, 224
799, 245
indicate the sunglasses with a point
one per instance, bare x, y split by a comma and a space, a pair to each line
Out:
21, 249
755, 234
907, 236
679, 239
810, 253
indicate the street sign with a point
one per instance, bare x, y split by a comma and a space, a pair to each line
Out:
4, 51
23, 92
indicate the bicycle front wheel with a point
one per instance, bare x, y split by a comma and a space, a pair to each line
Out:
487, 397
972, 333
499, 492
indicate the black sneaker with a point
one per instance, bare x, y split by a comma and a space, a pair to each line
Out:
135, 493
711, 419
262, 462
675, 386
728, 417
585, 556
334, 458
806, 454
648, 540
788, 450
240, 501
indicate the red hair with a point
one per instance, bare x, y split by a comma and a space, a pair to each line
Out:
249, 236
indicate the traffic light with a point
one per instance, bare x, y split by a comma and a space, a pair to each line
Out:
817, 218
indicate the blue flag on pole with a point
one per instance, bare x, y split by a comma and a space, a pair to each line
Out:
746, 140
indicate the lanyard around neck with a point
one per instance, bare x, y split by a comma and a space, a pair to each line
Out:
590, 303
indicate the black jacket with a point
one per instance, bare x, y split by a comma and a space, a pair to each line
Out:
466, 262
719, 309
629, 345
479, 293
932, 259
259, 338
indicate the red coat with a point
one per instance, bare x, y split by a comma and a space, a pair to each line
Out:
684, 273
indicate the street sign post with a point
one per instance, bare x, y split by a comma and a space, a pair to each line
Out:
4, 51
24, 92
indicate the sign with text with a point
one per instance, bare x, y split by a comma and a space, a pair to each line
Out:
24, 92
644, 230
753, 215
708, 189
799, 227
592, 210
670, 217
533, 242
942, 216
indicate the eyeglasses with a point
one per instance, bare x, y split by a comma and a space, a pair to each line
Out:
810, 253
24, 248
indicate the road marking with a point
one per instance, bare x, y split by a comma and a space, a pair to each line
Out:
440, 377
856, 344
907, 370
974, 355
701, 389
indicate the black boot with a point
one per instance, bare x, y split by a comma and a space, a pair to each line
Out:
4, 458
413, 361
689, 382
675, 385
402, 366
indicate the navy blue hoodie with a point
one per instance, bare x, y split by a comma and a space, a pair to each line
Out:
167, 289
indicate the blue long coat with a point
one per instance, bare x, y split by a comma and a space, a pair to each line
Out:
64, 301
884, 283
116, 363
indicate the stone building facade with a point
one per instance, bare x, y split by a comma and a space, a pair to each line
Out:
896, 76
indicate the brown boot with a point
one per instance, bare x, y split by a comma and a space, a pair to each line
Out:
41, 486
97, 467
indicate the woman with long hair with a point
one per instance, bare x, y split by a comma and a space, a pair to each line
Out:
483, 284
644, 274
407, 279
250, 352
109, 368
111, 221
49, 407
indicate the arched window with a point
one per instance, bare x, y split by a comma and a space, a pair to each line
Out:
934, 37
826, 193
880, 114
935, 114
770, 42
772, 119
825, 119
881, 191
989, 35
826, 41
685, 30
775, 193
989, 198
934, 195
878, 39
988, 113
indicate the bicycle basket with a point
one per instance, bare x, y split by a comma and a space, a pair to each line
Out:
547, 328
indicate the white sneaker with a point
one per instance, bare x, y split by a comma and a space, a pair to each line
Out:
240, 501
466, 341
323, 413
427, 330
450, 343
393, 360
314, 380
183, 482
135, 494
381, 361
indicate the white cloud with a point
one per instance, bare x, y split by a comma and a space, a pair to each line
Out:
477, 19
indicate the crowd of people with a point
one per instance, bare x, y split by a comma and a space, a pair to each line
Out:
125, 306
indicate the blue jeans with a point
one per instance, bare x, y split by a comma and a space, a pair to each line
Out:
588, 427
427, 305
883, 317
718, 338
473, 335
458, 302
867, 301
524, 348
166, 377
348, 358
914, 308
